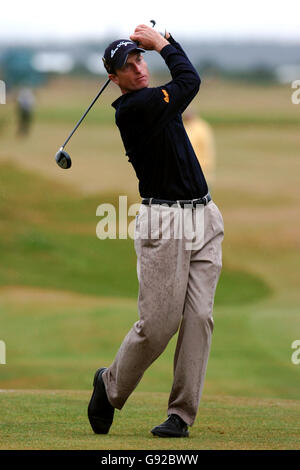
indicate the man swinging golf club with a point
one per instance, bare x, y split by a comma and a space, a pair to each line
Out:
176, 285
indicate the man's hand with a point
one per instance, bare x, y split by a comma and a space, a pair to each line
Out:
148, 38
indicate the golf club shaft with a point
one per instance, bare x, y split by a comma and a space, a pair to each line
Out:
153, 22
82, 118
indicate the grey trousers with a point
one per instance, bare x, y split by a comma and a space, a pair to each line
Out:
179, 260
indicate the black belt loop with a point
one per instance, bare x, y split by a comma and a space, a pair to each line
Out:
205, 198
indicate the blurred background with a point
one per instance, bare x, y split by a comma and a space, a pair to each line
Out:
67, 299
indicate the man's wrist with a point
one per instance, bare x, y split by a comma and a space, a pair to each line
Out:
161, 43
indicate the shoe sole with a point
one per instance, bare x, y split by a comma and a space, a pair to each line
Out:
99, 425
165, 434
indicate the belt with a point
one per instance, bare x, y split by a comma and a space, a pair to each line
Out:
181, 202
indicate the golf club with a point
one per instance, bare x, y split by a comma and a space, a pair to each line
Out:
62, 158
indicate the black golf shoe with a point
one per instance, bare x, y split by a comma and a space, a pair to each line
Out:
100, 411
174, 426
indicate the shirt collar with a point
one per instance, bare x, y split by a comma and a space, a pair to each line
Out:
117, 102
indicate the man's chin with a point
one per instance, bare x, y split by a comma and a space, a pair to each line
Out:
137, 86
142, 83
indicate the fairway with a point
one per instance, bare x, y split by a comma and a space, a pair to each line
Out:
223, 423
67, 299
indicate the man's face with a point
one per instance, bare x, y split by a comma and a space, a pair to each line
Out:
134, 74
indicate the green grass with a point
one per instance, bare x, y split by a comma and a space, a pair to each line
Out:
50, 241
58, 420
68, 299
57, 340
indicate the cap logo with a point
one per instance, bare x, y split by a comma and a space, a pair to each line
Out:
122, 43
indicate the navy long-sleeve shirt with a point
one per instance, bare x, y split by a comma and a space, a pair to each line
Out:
153, 134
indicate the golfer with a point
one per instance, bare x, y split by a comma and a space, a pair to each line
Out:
177, 273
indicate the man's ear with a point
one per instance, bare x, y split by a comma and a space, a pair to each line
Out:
114, 78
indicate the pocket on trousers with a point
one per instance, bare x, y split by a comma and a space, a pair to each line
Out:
217, 219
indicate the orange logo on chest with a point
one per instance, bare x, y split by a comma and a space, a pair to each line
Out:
166, 98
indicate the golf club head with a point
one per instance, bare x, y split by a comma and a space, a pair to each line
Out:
63, 159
